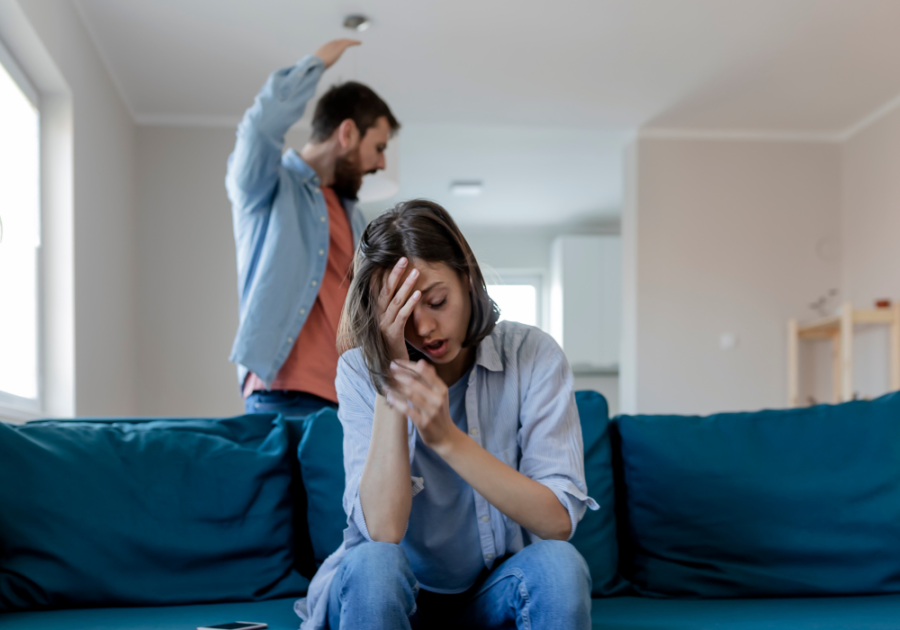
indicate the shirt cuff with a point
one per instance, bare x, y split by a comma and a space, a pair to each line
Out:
359, 520
573, 499
311, 60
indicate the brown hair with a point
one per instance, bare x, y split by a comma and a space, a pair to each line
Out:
417, 229
351, 100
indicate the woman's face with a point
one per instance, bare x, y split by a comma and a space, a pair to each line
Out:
438, 324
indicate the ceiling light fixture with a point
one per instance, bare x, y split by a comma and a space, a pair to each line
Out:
469, 188
357, 22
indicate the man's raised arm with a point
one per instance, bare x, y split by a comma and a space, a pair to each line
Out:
253, 166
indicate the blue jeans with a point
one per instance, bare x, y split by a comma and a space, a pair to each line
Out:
287, 403
546, 586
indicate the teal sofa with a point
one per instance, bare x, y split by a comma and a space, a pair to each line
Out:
773, 519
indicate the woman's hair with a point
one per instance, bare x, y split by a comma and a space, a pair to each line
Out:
417, 229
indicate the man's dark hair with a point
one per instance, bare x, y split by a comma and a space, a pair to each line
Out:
351, 100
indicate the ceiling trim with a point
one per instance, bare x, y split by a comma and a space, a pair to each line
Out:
869, 119
827, 137
104, 58
742, 135
760, 135
186, 120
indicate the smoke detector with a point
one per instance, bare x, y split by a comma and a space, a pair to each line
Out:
357, 22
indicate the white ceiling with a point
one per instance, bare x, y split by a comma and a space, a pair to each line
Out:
532, 176
813, 67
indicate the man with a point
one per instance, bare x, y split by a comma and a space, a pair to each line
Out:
296, 226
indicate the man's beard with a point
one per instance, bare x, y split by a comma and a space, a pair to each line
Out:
348, 176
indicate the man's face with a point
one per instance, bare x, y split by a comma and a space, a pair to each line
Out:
372, 146
365, 158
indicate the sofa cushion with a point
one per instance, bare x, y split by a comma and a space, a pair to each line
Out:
145, 512
877, 612
321, 458
775, 503
303, 551
322, 465
277, 613
595, 536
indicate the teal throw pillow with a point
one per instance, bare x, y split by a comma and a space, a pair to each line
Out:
145, 513
595, 536
786, 503
321, 455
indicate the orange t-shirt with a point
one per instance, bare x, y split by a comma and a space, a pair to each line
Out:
312, 364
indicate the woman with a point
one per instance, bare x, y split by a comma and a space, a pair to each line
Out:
461, 444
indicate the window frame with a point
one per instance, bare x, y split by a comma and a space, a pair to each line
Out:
12, 407
524, 276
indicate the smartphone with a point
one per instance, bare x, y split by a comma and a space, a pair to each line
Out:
236, 625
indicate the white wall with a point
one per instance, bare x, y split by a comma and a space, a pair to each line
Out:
187, 291
723, 237
870, 221
188, 307
529, 248
628, 374
102, 212
187, 279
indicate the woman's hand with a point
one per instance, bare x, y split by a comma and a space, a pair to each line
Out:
394, 308
422, 396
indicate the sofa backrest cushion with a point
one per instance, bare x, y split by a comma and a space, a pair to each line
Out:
800, 502
595, 536
303, 552
117, 513
321, 458
322, 467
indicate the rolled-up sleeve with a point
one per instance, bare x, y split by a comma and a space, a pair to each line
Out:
252, 173
550, 431
356, 410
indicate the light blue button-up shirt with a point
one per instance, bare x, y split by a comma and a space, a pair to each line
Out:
280, 222
442, 540
520, 407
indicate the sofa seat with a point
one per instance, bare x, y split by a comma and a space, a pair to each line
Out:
278, 613
878, 612
615, 613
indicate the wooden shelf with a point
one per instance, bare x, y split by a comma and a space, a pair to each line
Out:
839, 329
827, 327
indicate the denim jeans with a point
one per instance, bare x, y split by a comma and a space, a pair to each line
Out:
287, 403
546, 586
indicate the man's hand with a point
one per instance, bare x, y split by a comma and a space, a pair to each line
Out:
332, 51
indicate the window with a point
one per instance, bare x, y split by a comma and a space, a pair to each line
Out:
518, 295
19, 240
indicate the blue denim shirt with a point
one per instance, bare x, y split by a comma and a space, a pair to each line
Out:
281, 229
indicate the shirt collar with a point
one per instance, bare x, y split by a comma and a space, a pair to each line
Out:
488, 355
292, 160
